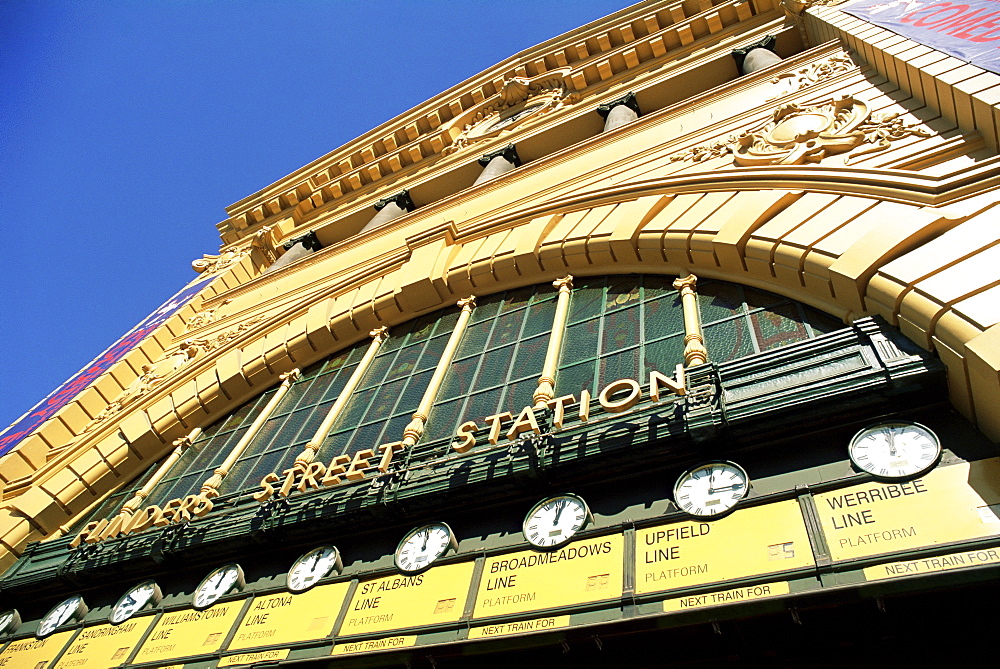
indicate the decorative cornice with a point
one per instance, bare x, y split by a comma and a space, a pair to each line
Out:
212, 264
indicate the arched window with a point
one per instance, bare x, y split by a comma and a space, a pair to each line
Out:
617, 327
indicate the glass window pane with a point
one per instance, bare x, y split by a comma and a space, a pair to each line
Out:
718, 300
621, 329
728, 340
580, 342
585, 300
663, 356
619, 365
573, 379
663, 317
777, 326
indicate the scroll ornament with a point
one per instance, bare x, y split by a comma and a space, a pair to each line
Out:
216, 263
796, 135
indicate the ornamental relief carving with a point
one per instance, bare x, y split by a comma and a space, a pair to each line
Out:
790, 82
151, 377
216, 263
797, 135
518, 100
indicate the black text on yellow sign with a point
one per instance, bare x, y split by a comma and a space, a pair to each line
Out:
584, 571
395, 602
960, 560
949, 504
753, 541
189, 632
286, 618
104, 645
34, 652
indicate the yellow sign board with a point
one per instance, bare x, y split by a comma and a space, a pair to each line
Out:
972, 558
734, 596
104, 645
250, 658
374, 645
584, 571
951, 503
32, 652
393, 602
286, 618
188, 632
519, 627
749, 542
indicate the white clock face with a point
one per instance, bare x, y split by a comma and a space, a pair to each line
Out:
555, 520
217, 584
895, 449
72, 608
313, 566
711, 489
10, 620
135, 599
420, 547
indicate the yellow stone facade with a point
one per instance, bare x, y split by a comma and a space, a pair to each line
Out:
902, 225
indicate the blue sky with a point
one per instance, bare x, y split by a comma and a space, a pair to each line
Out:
126, 128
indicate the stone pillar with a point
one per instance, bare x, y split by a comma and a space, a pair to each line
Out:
210, 488
309, 453
389, 208
496, 163
415, 429
695, 352
547, 381
619, 112
755, 57
295, 248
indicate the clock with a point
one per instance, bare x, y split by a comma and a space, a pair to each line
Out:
133, 600
421, 546
711, 489
72, 608
555, 520
895, 449
10, 620
217, 584
313, 566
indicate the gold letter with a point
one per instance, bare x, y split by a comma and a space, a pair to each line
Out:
335, 469
465, 434
559, 404
312, 470
620, 405
495, 422
360, 462
266, 489
388, 450
525, 421
584, 405
658, 381
86, 532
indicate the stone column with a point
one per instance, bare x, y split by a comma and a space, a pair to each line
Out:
210, 488
295, 248
547, 381
389, 208
415, 429
695, 352
755, 57
497, 162
619, 112
309, 453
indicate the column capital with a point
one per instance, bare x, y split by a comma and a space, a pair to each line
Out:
629, 100
400, 199
564, 284
739, 55
508, 152
689, 283
467, 303
379, 333
308, 240
290, 377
